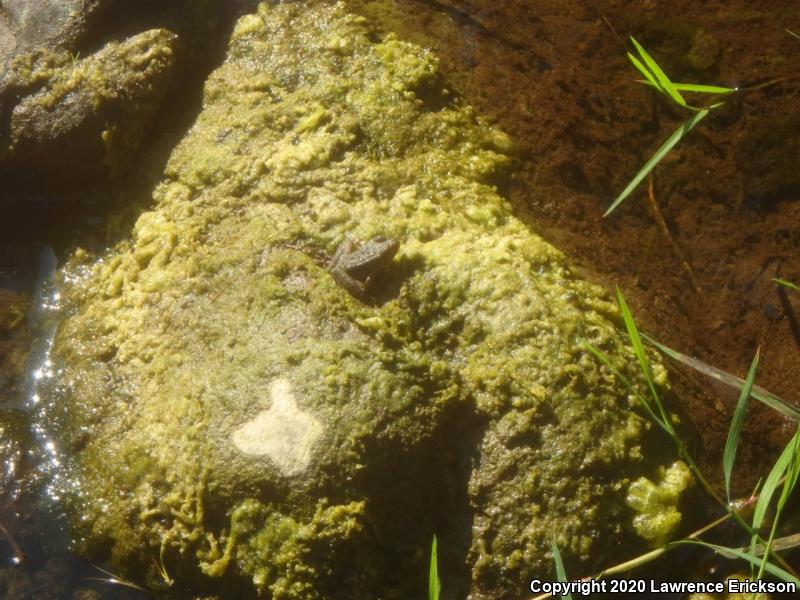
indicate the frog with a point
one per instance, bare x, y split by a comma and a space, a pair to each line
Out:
354, 265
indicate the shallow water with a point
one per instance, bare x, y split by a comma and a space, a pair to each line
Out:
36, 540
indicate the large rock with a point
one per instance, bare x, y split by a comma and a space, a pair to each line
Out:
83, 80
229, 412
32, 24
83, 117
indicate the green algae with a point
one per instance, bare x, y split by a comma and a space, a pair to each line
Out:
297, 552
656, 503
228, 406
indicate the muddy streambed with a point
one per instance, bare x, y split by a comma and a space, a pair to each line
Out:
182, 290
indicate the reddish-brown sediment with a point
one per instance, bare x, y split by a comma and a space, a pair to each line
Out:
553, 73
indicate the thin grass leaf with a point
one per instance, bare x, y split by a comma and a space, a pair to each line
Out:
697, 88
768, 398
560, 571
786, 542
735, 431
793, 34
753, 560
603, 358
641, 357
779, 469
787, 284
115, 580
676, 137
700, 88
651, 80
794, 472
789, 481
434, 583
662, 78
664, 420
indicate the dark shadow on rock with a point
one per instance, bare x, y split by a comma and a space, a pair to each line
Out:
455, 520
424, 492
37, 207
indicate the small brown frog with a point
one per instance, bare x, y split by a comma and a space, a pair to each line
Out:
354, 265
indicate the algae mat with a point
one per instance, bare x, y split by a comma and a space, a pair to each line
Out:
235, 420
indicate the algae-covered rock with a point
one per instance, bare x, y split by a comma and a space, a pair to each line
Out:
83, 81
81, 116
232, 415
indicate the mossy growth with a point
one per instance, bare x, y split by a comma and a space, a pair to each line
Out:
229, 406
656, 503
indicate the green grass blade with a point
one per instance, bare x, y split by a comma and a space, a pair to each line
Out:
792, 473
787, 284
656, 158
560, 571
753, 560
790, 479
662, 418
434, 583
703, 89
603, 358
735, 431
662, 78
641, 357
768, 398
779, 469
695, 87
651, 80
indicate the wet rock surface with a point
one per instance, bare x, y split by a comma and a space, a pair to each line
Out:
226, 408
84, 80
28, 25
547, 69
85, 118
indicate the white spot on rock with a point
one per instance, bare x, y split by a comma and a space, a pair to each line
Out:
284, 432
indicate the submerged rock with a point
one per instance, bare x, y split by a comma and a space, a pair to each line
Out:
232, 415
